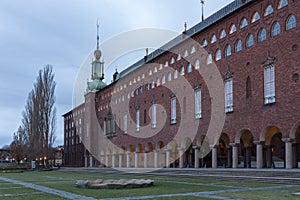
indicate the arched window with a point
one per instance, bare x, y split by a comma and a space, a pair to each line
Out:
250, 41
166, 64
172, 60
238, 46
255, 17
232, 29
182, 70
175, 74
228, 50
291, 22
209, 59
186, 53
275, 29
244, 23
150, 72
197, 64
193, 50
170, 76
163, 80
262, 35
213, 39
178, 57
158, 82
248, 87
204, 43
189, 69
223, 34
268, 10
282, 3
218, 55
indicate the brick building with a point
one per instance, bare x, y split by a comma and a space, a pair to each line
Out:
167, 110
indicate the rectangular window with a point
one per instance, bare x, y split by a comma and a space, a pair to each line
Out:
137, 120
269, 84
113, 125
198, 104
154, 116
125, 124
173, 110
228, 96
104, 127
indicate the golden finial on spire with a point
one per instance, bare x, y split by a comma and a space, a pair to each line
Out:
147, 51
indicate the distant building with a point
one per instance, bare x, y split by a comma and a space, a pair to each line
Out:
255, 46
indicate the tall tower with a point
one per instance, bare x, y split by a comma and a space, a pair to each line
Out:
97, 74
97, 65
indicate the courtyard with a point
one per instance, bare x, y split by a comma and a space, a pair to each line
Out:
168, 184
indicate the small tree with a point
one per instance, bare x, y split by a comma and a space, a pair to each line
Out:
18, 147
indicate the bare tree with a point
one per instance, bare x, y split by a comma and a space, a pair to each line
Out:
39, 116
17, 146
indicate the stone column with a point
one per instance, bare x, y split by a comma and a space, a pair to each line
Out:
128, 159
91, 161
259, 154
196, 149
288, 152
235, 156
136, 159
85, 161
113, 157
106, 160
120, 160
155, 159
168, 152
181, 154
214, 156
145, 160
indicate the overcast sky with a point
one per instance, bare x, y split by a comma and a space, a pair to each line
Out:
62, 33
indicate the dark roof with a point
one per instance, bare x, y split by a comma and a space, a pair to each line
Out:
219, 15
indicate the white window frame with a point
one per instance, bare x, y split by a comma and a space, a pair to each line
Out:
198, 104
153, 113
173, 110
138, 120
269, 84
228, 95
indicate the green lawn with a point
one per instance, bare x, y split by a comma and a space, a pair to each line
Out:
65, 181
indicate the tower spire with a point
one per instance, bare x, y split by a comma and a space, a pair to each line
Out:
202, 2
97, 34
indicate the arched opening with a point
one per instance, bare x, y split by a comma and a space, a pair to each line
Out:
204, 152
224, 151
150, 154
161, 155
188, 153
131, 156
174, 161
274, 149
247, 153
295, 136
296, 149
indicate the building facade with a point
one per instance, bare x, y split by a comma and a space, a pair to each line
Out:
162, 111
